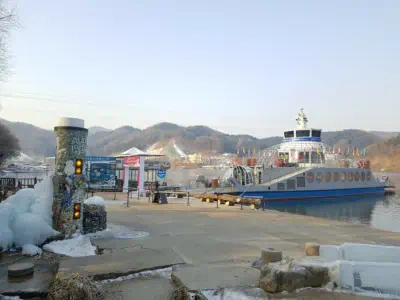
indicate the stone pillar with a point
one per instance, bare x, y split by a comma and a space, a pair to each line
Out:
69, 188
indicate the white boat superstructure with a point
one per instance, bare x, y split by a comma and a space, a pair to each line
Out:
302, 166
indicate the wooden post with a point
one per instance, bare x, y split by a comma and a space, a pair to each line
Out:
127, 199
188, 203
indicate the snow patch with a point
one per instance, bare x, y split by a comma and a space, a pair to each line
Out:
31, 250
26, 217
361, 268
96, 200
75, 247
160, 273
179, 151
118, 232
232, 294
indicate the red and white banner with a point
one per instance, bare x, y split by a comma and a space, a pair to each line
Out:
133, 161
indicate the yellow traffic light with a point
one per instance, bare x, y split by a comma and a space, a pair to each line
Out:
78, 166
77, 211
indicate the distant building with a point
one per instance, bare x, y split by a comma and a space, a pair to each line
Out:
195, 158
50, 162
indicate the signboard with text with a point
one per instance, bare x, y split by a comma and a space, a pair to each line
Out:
101, 171
132, 161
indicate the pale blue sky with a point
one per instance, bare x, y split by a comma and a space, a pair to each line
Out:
237, 66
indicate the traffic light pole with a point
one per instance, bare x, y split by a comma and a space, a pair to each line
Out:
69, 182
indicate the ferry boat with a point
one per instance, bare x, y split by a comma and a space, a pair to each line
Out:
301, 167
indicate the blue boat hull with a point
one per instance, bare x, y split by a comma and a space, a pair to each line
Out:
301, 195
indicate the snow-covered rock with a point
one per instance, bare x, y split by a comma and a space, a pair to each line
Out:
31, 250
26, 217
96, 200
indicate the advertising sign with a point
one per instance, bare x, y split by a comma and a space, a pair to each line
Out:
101, 171
133, 161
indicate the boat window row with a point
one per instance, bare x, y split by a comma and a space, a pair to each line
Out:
300, 181
303, 133
339, 176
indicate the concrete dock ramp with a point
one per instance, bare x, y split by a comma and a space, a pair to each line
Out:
120, 263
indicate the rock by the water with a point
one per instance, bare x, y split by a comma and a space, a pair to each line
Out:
94, 218
270, 280
270, 255
275, 280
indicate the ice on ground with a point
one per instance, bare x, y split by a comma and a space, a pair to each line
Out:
96, 200
329, 252
233, 294
118, 232
26, 217
362, 268
163, 273
370, 277
75, 247
31, 250
361, 252
373, 253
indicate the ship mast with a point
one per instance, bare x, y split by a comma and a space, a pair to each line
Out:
301, 120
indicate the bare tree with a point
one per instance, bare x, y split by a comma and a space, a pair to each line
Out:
9, 145
7, 22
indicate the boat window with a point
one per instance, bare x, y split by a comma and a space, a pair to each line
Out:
316, 133
368, 176
336, 176
357, 176
362, 176
350, 176
302, 133
301, 182
303, 157
328, 176
343, 176
310, 177
289, 134
281, 186
290, 184
319, 176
